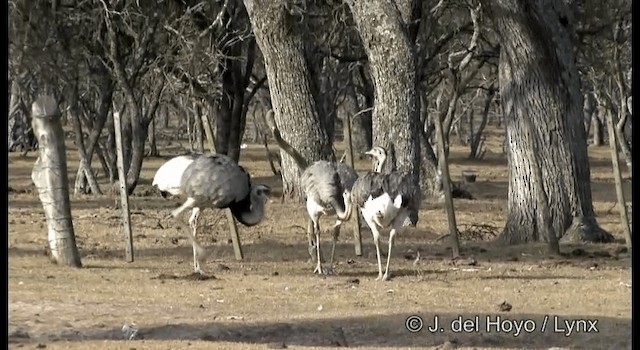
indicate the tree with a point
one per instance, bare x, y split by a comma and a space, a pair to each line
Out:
392, 65
539, 81
50, 177
276, 26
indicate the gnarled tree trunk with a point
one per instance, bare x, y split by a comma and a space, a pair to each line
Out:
392, 65
278, 34
539, 80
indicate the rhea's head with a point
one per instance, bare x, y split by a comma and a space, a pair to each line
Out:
379, 155
260, 193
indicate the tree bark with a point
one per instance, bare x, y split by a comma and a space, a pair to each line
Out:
598, 129
50, 177
153, 147
278, 35
363, 124
105, 92
392, 65
84, 169
539, 81
199, 129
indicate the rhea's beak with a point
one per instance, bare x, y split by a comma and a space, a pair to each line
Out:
369, 152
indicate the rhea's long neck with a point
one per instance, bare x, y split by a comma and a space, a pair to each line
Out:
250, 213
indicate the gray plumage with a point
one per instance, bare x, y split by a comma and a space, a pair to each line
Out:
347, 174
217, 181
326, 185
375, 184
326, 188
322, 183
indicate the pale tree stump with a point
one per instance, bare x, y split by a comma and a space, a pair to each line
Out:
50, 178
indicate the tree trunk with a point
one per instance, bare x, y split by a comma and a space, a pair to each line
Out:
199, 129
589, 108
153, 148
50, 177
84, 169
430, 177
363, 124
539, 80
278, 35
164, 116
105, 86
392, 64
111, 151
598, 129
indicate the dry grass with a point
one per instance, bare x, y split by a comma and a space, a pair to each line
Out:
271, 299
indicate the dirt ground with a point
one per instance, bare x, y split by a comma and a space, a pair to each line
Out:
501, 297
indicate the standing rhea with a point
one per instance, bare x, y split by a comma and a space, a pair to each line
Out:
326, 186
384, 200
216, 181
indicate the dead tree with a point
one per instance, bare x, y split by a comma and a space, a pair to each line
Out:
50, 177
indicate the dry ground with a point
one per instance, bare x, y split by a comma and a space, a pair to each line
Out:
271, 299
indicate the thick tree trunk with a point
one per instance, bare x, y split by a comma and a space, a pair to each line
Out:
392, 63
50, 177
539, 80
279, 37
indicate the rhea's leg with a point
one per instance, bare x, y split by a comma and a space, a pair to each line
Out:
392, 233
198, 251
397, 224
336, 234
316, 229
193, 222
312, 246
376, 241
189, 203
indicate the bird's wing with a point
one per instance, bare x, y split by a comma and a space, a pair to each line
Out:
397, 183
347, 175
217, 180
369, 184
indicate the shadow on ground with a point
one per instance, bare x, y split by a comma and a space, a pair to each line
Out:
505, 330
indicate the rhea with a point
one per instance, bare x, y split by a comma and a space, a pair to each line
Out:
384, 201
326, 186
217, 181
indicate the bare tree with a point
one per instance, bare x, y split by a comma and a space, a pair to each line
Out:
539, 81
132, 36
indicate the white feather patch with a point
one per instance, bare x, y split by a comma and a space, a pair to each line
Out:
169, 177
382, 210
